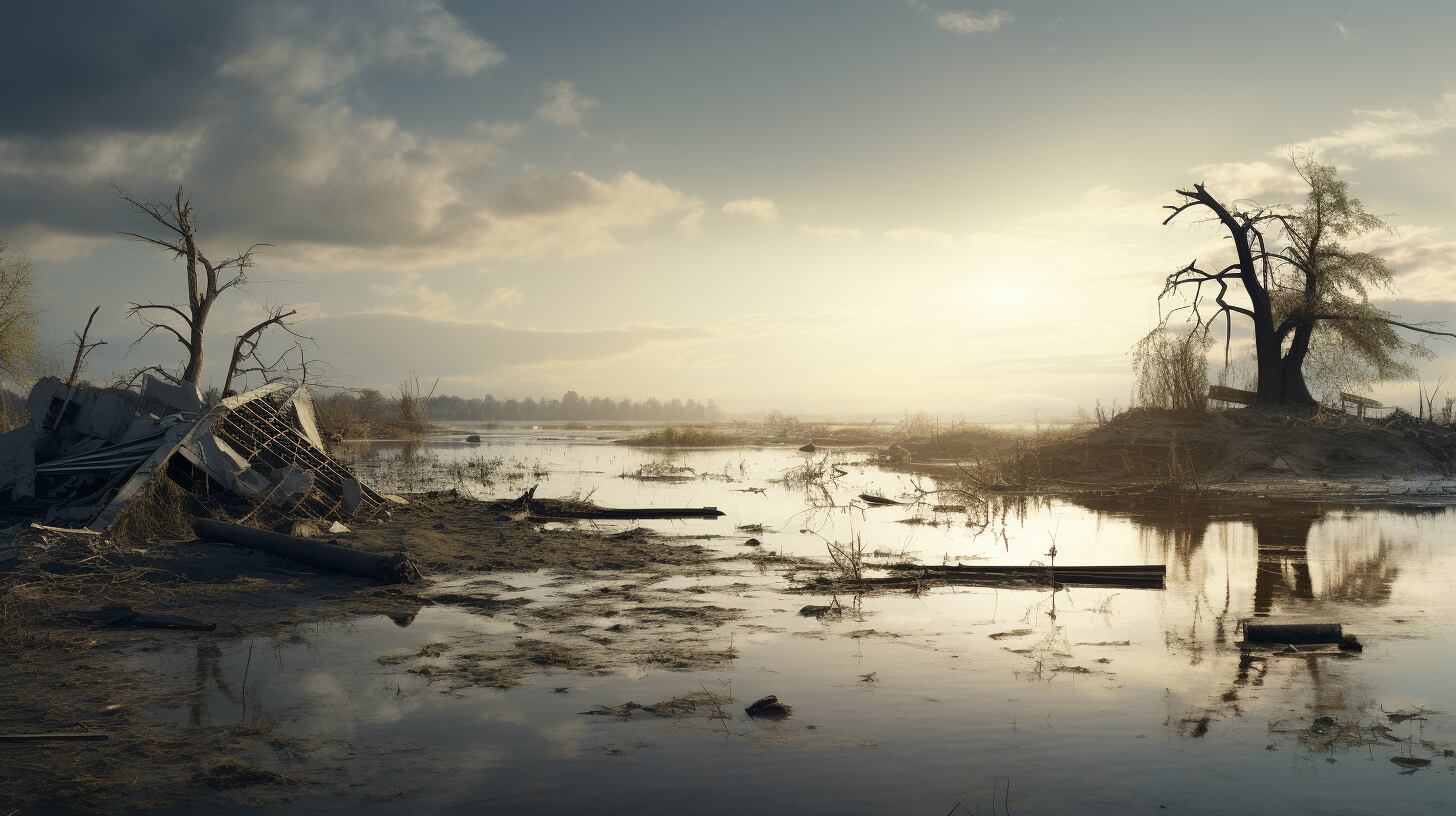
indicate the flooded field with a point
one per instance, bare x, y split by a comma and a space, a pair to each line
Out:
960, 699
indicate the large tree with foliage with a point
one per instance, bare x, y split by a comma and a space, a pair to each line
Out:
1308, 292
19, 343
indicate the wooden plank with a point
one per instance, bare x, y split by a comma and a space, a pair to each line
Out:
1222, 393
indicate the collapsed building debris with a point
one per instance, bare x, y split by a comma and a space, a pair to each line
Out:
87, 453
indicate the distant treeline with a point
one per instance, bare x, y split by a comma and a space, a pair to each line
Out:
571, 406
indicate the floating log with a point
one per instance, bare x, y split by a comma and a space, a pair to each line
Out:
1293, 633
391, 568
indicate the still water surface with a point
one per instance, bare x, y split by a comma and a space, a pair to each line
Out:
1098, 701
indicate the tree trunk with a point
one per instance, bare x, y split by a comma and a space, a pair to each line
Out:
1266, 339
193, 372
1294, 390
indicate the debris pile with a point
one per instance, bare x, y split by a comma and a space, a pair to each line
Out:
88, 452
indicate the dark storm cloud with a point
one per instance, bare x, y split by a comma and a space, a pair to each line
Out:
81, 67
265, 113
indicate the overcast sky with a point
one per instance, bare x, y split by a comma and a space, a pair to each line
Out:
816, 206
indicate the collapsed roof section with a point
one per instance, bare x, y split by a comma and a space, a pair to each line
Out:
88, 452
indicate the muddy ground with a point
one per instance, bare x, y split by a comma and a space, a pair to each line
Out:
68, 654
64, 646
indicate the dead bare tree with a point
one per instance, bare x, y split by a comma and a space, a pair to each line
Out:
245, 349
206, 279
1251, 270
83, 348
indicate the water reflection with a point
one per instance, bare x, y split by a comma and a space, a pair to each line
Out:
1101, 682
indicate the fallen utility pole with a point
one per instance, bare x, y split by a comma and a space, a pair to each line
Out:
391, 568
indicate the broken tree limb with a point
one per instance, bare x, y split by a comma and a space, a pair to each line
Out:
391, 568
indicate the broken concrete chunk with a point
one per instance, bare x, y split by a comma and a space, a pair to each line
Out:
163, 398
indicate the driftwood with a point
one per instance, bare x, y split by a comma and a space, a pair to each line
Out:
391, 568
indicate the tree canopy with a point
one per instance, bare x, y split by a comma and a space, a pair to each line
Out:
19, 342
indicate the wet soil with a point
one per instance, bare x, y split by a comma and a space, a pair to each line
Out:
66, 667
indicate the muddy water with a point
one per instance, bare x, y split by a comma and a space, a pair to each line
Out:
1004, 701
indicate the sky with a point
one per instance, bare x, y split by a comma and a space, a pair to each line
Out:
832, 208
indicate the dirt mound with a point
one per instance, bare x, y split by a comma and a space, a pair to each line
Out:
1245, 444
961, 444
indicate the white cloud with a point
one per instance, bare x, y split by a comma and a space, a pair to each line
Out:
761, 209
922, 235
1424, 264
832, 233
1347, 32
970, 22
410, 297
319, 53
1239, 180
1388, 134
564, 105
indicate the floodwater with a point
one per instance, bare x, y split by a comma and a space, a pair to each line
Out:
996, 700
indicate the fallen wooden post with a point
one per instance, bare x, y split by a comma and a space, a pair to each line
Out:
391, 568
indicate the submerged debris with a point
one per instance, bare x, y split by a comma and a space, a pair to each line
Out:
769, 708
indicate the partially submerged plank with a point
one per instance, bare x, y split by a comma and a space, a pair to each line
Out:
1133, 576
